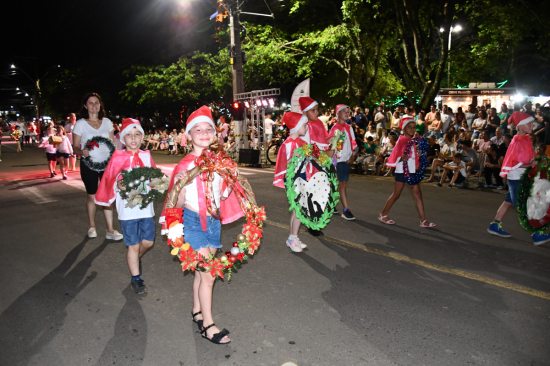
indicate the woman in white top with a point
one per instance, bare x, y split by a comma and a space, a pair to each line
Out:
94, 123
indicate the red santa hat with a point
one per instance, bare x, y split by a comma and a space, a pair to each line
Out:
340, 107
294, 121
522, 118
404, 121
127, 125
306, 103
203, 114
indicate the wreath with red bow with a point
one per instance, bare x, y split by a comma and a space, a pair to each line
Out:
100, 149
534, 197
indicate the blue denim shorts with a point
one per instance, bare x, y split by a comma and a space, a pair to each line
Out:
512, 194
192, 230
342, 171
138, 230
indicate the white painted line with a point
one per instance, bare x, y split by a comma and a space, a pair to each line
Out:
36, 195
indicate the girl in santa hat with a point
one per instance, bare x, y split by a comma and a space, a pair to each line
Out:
297, 125
202, 228
138, 224
519, 155
409, 159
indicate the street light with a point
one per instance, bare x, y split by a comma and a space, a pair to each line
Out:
454, 29
36, 83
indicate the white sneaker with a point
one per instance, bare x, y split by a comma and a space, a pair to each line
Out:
92, 233
302, 245
115, 235
294, 245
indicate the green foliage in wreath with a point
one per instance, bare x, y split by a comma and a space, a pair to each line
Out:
105, 150
141, 186
526, 190
312, 153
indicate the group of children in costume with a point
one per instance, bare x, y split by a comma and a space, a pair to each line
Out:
202, 229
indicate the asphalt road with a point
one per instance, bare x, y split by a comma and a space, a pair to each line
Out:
363, 294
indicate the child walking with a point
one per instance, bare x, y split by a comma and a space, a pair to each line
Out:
519, 155
202, 220
297, 124
409, 161
51, 150
343, 155
64, 151
138, 225
316, 133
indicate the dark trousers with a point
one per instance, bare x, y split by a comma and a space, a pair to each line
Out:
492, 172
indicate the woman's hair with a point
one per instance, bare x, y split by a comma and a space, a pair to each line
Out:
84, 111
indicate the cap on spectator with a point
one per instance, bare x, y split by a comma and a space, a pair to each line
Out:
127, 125
203, 114
306, 103
404, 121
340, 107
294, 121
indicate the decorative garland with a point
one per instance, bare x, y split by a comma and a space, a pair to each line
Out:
422, 151
248, 241
533, 203
143, 185
312, 155
100, 149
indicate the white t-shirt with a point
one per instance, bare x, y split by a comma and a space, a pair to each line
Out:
192, 194
411, 163
268, 126
83, 129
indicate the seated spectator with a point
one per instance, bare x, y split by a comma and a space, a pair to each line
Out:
491, 168
368, 154
433, 149
455, 170
371, 132
470, 157
479, 124
483, 144
448, 149
385, 153
436, 127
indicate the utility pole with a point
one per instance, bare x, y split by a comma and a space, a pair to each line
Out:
236, 53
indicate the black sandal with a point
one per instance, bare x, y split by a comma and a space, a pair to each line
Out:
216, 338
199, 322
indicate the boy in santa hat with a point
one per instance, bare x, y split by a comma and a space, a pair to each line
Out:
519, 156
316, 133
344, 151
297, 125
138, 225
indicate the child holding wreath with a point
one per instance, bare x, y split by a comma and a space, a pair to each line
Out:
135, 211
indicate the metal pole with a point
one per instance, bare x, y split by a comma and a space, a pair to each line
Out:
236, 54
449, 59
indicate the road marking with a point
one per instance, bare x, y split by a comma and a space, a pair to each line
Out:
36, 195
431, 266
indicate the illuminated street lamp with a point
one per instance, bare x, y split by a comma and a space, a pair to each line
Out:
36, 84
454, 29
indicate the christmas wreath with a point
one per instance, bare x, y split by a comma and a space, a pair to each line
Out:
142, 185
422, 151
248, 241
534, 197
312, 198
100, 149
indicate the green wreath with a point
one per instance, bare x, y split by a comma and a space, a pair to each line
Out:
141, 186
525, 191
100, 147
311, 154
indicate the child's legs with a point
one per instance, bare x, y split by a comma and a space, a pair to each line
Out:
419, 202
203, 286
342, 172
397, 189
342, 189
61, 161
132, 257
72, 162
294, 224
454, 177
509, 199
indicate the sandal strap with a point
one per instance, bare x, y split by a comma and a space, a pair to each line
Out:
193, 315
204, 329
216, 338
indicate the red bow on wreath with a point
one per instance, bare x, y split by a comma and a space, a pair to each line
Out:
92, 144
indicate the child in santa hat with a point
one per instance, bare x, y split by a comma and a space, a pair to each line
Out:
519, 155
344, 152
407, 157
138, 225
297, 125
316, 133
202, 230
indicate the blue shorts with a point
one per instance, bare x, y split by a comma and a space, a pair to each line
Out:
342, 171
400, 177
192, 230
138, 230
512, 194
